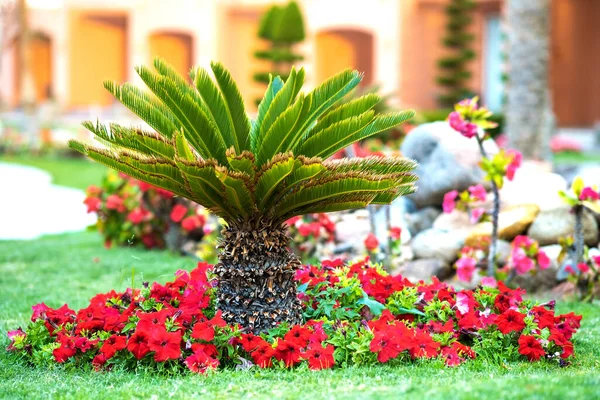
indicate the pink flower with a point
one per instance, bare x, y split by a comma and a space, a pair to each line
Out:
517, 158
583, 268
465, 128
476, 214
589, 194
543, 260
489, 281
522, 241
478, 191
570, 270
521, 262
449, 203
465, 266
178, 212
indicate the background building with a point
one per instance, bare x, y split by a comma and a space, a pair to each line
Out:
77, 44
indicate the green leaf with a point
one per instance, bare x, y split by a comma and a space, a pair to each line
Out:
374, 306
271, 177
274, 87
324, 97
235, 104
216, 106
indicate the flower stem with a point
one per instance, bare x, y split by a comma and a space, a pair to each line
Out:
491, 268
579, 237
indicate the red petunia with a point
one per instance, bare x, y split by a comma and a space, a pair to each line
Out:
385, 346
178, 212
510, 321
166, 345
298, 334
138, 344
205, 330
319, 357
531, 348
288, 351
200, 362
112, 345
66, 350
424, 346
263, 354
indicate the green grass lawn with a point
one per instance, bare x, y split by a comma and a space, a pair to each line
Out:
73, 267
77, 173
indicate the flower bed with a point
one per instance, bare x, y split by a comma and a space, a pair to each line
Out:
354, 315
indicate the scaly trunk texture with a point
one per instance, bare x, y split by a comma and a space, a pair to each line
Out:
529, 118
255, 272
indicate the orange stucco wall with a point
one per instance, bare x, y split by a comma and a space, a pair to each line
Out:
575, 66
343, 48
238, 42
423, 27
97, 52
175, 48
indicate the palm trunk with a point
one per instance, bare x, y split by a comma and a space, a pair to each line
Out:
256, 286
529, 118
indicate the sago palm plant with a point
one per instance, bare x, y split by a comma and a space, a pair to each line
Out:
255, 174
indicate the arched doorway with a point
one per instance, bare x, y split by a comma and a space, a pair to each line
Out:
338, 49
98, 52
175, 47
40, 66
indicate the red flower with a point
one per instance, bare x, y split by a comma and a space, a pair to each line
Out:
93, 204
288, 352
99, 361
385, 346
38, 310
299, 335
138, 344
424, 346
114, 202
178, 212
262, 354
166, 345
395, 232
191, 223
137, 216
510, 321
531, 348
112, 345
319, 357
205, 330
200, 362
371, 242
66, 350
250, 342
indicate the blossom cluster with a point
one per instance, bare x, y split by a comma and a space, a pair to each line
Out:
310, 234
469, 200
355, 314
132, 212
526, 257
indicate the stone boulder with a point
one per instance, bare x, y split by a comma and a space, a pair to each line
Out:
447, 161
533, 185
511, 223
424, 269
437, 243
422, 219
551, 225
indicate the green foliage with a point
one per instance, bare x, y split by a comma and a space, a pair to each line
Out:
282, 27
207, 150
454, 73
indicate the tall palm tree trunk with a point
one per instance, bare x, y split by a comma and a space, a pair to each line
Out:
529, 118
256, 276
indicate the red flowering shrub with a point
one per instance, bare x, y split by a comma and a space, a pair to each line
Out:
310, 234
131, 212
354, 315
